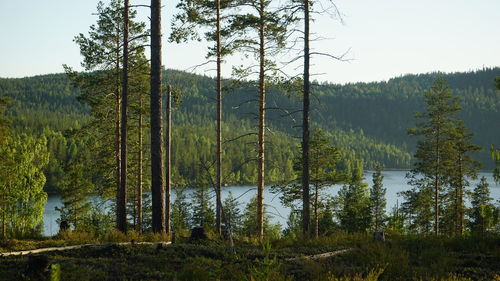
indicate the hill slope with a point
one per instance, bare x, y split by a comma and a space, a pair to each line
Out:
369, 119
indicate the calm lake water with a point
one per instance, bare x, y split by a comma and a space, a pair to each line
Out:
394, 182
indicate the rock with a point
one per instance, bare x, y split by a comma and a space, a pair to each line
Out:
63, 226
379, 236
173, 239
159, 247
197, 234
37, 266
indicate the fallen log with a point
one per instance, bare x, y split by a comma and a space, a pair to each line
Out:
320, 256
73, 247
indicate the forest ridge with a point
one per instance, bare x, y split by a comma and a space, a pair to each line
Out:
368, 119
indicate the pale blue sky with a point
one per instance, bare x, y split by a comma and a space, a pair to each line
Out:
387, 38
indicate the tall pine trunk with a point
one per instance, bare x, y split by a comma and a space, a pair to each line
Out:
460, 191
118, 162
305, 128
4, 231
168, 159
121, 204
140, 170
316, 215
262, 124
218, 168
157, 191
436, 184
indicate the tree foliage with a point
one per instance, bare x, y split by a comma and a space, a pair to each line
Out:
443, 164
377, 200
483, 214
354, 198
21, 183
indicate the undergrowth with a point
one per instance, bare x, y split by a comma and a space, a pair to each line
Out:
401, 257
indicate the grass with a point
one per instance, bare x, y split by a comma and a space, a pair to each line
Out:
399, 258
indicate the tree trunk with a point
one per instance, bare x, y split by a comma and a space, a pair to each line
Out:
121, 204
157, 191
262, 124
139, 173
460, 207
3, 222
118, 161
378, 216
305, 128
168, 159
436, 186
218, 167
316, 217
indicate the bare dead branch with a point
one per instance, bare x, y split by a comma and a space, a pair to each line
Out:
239, 137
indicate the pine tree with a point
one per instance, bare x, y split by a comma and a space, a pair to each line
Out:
232, 214
168, 158
102, 87
435, 149
417, 208
355, 199
307, 7
377, 200
463, 168
180, 211
249, 221
325, 171
483, 213
76, 189
121, 195
157, 183
203, 211
495, 153
262, 30
294, 221
208, 15
395, 220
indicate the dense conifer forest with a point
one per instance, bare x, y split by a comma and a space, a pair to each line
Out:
368, 121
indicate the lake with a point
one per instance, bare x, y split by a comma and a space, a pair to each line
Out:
394, 182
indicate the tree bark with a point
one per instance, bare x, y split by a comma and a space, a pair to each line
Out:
305, 128
139, 174
262, 124
460, 207
436, 185
168, 159
157, 191
118, 161
121, 204
218, 167
316, 217
3, 219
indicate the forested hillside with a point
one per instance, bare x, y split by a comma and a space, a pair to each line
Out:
368, 121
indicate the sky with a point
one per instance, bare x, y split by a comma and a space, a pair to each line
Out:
384, 38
